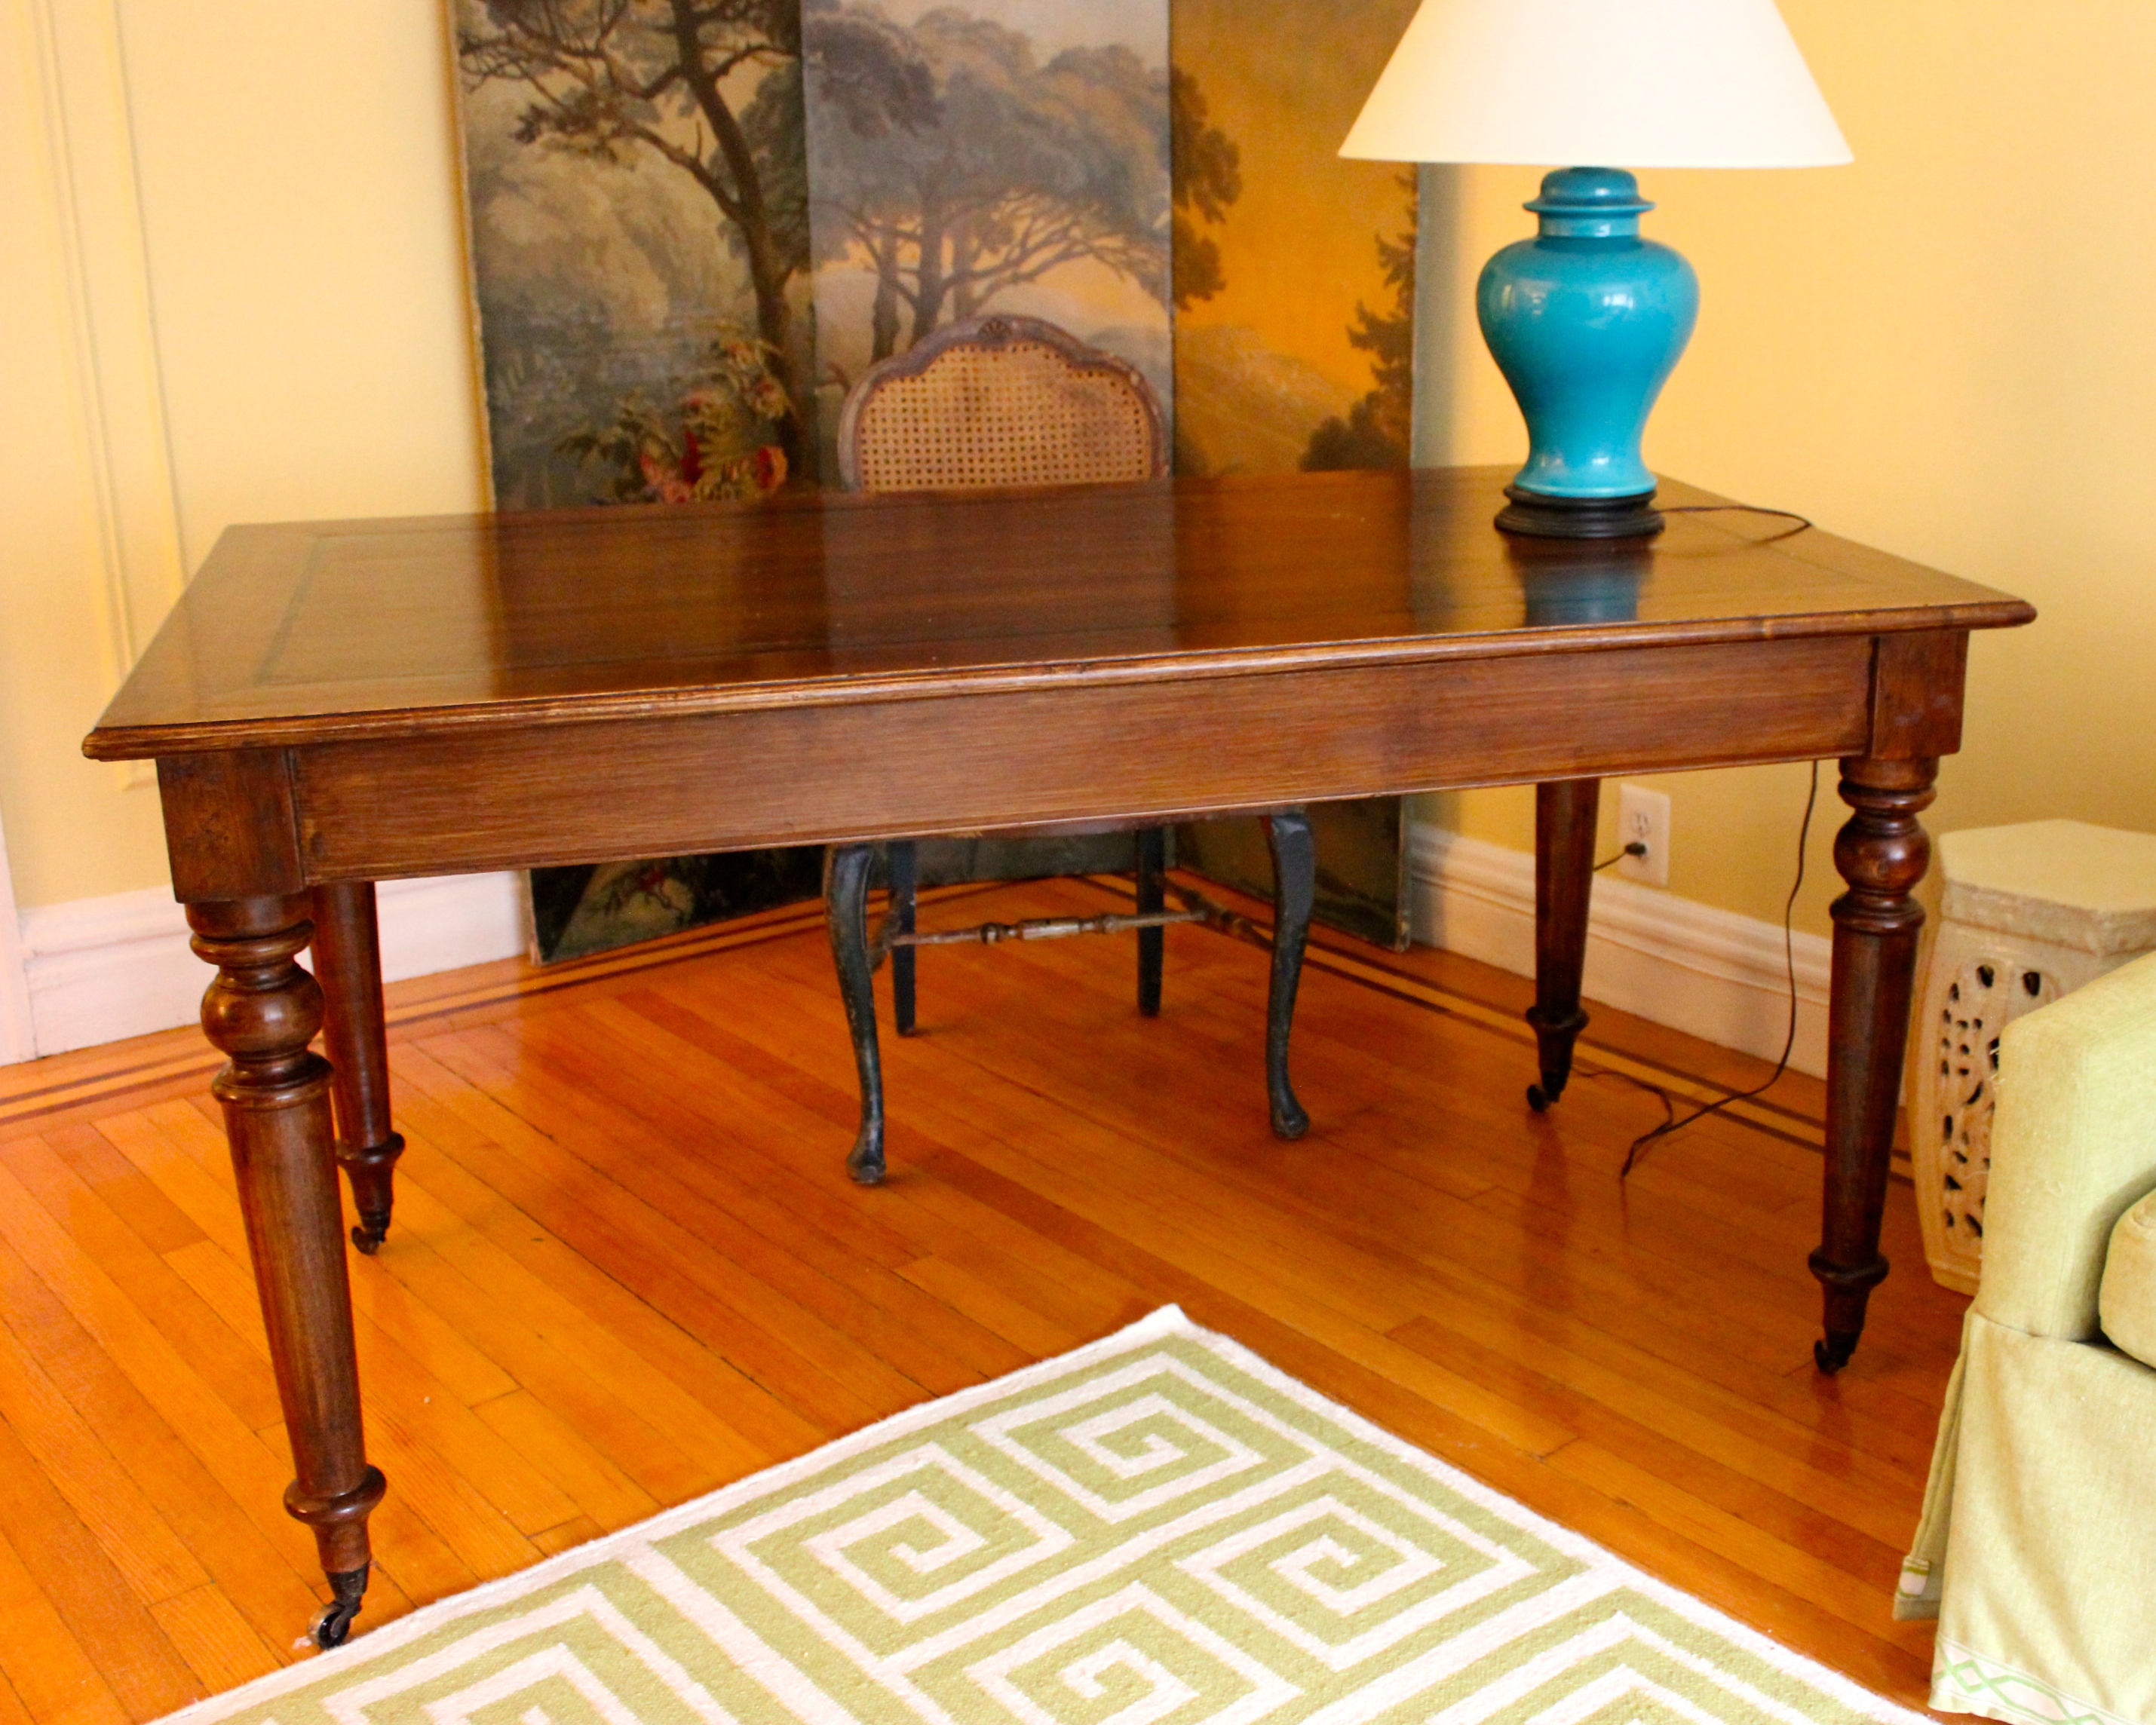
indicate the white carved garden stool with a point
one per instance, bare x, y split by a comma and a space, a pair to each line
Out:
2029, 912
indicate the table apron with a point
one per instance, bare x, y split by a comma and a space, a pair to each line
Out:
374, 809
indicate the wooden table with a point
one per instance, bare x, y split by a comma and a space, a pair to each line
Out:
333, 704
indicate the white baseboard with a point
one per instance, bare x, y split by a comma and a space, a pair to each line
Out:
100, 968
1712, 973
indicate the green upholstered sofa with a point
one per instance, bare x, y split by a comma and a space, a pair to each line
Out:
2037, 1549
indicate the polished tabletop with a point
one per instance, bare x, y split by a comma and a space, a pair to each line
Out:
319, 632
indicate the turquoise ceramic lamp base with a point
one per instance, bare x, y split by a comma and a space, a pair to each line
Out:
1586, 320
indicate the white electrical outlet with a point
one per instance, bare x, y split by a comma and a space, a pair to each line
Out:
1643, 818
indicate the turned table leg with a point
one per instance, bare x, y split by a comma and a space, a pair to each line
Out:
905, 900
348, 959
1564, 879
1152, 899
1881, 854
262, 1011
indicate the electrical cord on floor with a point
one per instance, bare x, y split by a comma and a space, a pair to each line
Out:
1675, 1123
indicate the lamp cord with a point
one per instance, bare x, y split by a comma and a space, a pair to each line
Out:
1673, 1123
1747, 509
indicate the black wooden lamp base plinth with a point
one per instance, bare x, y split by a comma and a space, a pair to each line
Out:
1539, 514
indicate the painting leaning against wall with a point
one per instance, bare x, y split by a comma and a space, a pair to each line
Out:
1294, 329
636, 187
667, 314
987, 155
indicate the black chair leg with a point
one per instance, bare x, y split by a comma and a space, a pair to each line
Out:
1152, 897
902, 884
846, 872
1295, 894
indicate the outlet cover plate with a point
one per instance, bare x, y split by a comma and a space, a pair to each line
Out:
1643, 816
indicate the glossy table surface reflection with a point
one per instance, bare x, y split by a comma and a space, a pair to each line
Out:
314, 631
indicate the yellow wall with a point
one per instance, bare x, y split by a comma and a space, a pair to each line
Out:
1947, 350
72, 829
299, 222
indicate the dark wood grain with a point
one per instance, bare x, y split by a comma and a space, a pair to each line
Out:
1881, 854
348, 959
335, 704
373, 628
262, 1011
229, 827
1564, 881
1165, 751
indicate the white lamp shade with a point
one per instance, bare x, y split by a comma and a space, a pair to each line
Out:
1628, 84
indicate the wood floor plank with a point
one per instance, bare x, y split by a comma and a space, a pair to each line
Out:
401, 1388
1052, 1282
989, 1306
616, 1124
559, 1354
253, 1474
159, 1223
568, 1536
11, 1710
260, 1569
757, 1330
1684, 1295
627, 1268
599, 1491
51, 1670
192, 1329
91, 1593
1806, 1504
381, 1305
691, 1395
223, 1648
126, 1525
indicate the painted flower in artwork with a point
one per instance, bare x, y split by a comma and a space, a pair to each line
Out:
720, 443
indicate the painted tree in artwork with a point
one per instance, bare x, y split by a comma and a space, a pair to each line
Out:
1378, 430
710, 87
959, 168
1209, 178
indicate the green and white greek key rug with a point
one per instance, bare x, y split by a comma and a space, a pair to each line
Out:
1158, 1529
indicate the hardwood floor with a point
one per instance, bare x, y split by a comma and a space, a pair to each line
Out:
627, 1268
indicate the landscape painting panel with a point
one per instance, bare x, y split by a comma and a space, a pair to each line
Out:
1294, 280
988, 156
636, 187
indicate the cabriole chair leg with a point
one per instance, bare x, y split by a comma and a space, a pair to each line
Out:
1295, 895
846, 872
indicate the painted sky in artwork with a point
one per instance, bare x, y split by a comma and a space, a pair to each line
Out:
1043, 192
1139, 25
1285, 78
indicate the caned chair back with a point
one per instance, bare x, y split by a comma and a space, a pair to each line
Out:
1000, 401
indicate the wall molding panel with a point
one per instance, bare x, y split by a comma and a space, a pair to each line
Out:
97, 969
82, 82
1712, 973
18, 1037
